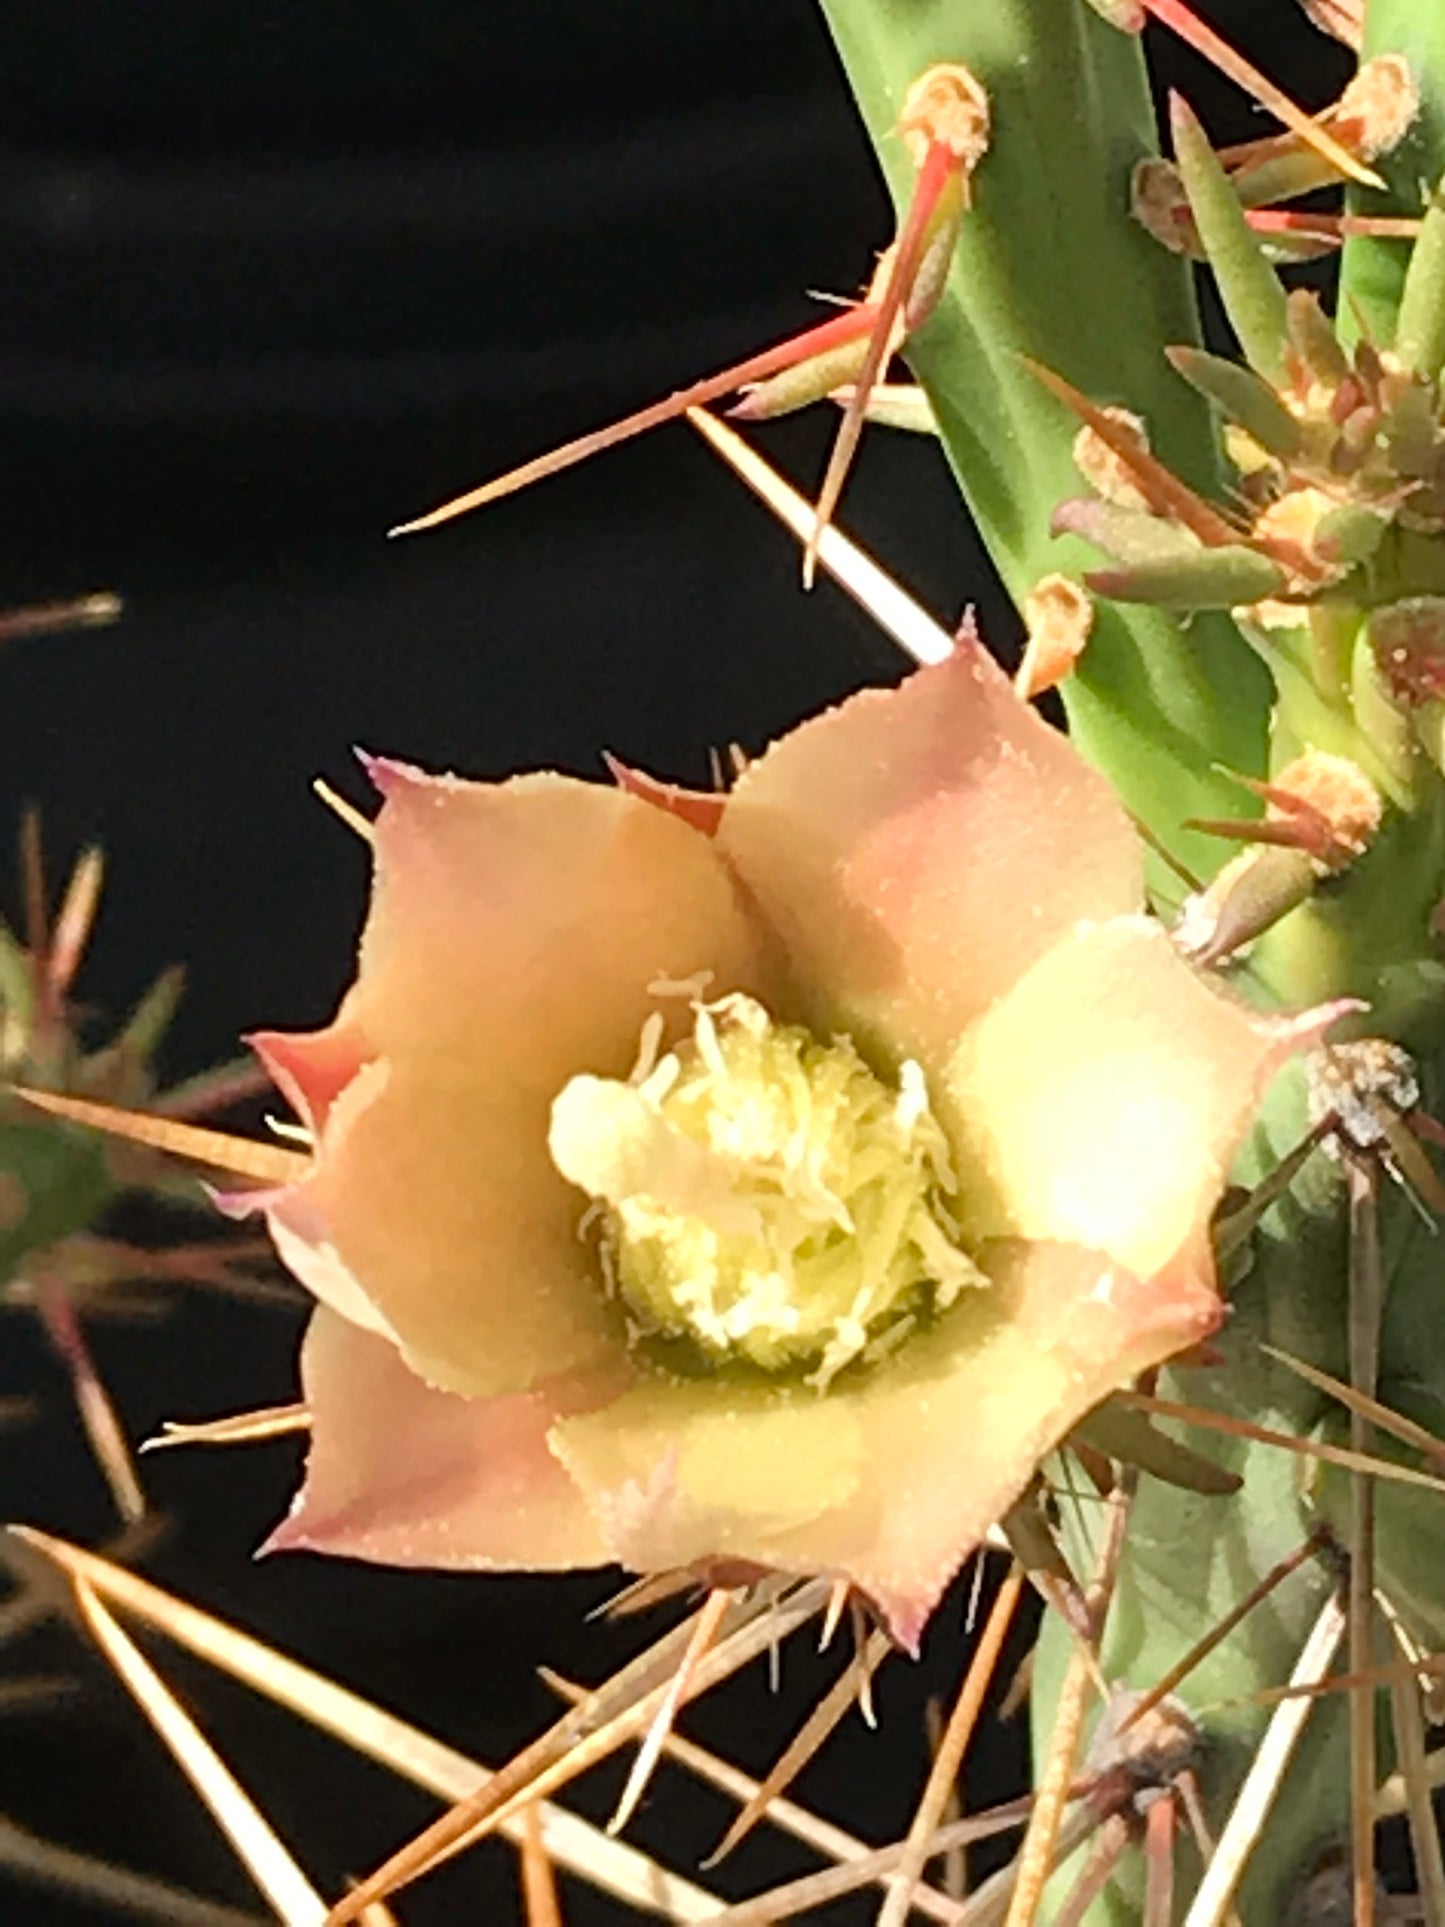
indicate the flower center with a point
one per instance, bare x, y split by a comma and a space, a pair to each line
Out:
766, 1199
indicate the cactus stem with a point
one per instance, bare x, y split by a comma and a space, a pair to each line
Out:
1365, 1308
948, 1760
1221, 1630
1247, 1819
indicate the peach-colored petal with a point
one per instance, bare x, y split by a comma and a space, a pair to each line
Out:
518, 925
516, 933
409, 1476
1102, 1099
919, 848
892, 1480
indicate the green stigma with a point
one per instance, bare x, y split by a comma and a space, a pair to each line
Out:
765, 1198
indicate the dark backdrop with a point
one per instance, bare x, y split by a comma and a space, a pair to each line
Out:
275, 277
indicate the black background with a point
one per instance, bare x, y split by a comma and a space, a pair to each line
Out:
274, 278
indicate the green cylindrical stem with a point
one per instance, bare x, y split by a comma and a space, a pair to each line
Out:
1051, 265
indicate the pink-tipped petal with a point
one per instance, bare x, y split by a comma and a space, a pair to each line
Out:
918, 848
312, 1068
1102, 1099
892, 1479
703, 809
409, 1476
516, 936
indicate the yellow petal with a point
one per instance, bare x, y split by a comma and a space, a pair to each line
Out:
1101, 1100
891, 1479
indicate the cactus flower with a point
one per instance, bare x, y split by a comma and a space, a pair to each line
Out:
760, 1181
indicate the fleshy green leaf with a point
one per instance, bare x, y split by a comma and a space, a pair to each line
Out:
1209, 579
1253, 296
1243, 397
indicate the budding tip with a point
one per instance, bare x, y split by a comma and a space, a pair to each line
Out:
1182, 116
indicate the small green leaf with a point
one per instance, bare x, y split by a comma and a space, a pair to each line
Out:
1131, 536
1251, 291
1313, 338
805, 383
1350, 533
1209, 579
902, 404
1420, 332
1243, 397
